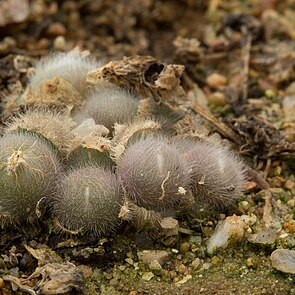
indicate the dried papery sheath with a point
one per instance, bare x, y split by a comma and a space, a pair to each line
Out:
29, 171
90, 146
71, 66
126, 134
140, 217
56, 92
153, 174
88, 201
109, 105
54, 126
148, 220
217, 173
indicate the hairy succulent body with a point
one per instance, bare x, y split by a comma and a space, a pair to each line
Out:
71, 66
108, 106
29, 171
54, 126
217, 174
88, 201
153, 174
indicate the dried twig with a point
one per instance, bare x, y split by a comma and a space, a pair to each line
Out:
267, 209
219, 126
17, 283
255, 176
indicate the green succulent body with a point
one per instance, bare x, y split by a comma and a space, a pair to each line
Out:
88, 200
109, 106
217, 175
83, 156
29, 170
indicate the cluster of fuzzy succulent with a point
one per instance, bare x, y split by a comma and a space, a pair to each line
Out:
91, 155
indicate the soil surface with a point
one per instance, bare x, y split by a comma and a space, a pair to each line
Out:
222, 70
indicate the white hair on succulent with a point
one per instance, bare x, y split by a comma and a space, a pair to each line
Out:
29, 171
218, 174
88, 201
109, 105
53, 125
70, 66
153, 174
183, 143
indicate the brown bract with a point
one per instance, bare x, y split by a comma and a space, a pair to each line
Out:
90, 135
123, 132
54, 126
144, 74
56, 91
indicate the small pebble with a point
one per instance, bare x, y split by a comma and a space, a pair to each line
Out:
250, 262
215, 260
184, 280
229, 230
173, 274
113, 282
56, 29
147, 256
250, 185
249, 219
289, 184
217, 98
7, 44
206, 265
181, 268
147, 276
222, 216
122, 267
129, 260
184, 247
196, 263
263, 237
43, 43
59, 43
155, 265
196, 240
283, 260
216, 80
291, 203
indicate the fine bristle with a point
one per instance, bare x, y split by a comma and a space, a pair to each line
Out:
54, 126
183, 144
153, 175
108, 106
218, 174
88, 200
70, 66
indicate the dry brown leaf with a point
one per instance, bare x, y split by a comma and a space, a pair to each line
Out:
56, 91
144, 74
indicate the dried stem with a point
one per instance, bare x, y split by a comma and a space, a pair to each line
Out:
219, 126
